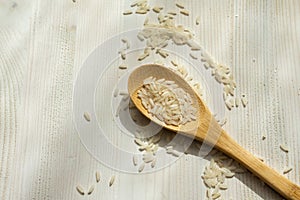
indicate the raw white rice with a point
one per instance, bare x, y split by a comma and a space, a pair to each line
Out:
146, 21
244, 100
208, 194
123, 93
140, 11
174, 63
148, 157
223, 122
140, 37
139, 142
80, 189
141, 168
123, 55
214, 176
287, 170
216, 195
175, 153
123, 67
229, 103
193, 56
185, 12
153, 163
143, 56
126, 42
162, 53
97, 175
112, 180
197, 20
223, 186
157, 9
237, 102
169, 148
116, 92
135, 160
284, 148
128, 12
91, 189
172, 13
87, 116
179, 5
165, 101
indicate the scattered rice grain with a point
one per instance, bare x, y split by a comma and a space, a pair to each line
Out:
193, 56
123, 55
244, 100
179, 5
197, 20
208, 194
172, 13
229, 104
287, 170
135, 160
223, 122
153, 163
142, 12
260, 158
162, 53
112, 180
157, 9
216, 195
143, 56
80, 189
91, 189
223, 186
175, 153
284, 148
123, 93
185, 12
237, 102
141, 168
128, 12
97, 175
87, 116
148, 157
146, 21
140, 37
122, 67
174, 63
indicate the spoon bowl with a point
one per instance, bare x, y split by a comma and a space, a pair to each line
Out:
206, 129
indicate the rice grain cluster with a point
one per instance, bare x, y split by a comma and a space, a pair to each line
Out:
165, 101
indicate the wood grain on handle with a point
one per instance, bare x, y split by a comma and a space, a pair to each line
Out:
271, 177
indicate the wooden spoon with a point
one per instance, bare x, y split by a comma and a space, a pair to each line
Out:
206, 129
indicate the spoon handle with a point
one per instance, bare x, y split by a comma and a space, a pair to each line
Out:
275, 180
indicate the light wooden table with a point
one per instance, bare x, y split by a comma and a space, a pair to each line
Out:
42, 47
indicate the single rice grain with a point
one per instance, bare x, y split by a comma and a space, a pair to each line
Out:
141, 167
91, 189
135, 160
80, 189
128, 12
179, 5
185, 12
112, 180
284, 148
87, 116
287, 170
97, 175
